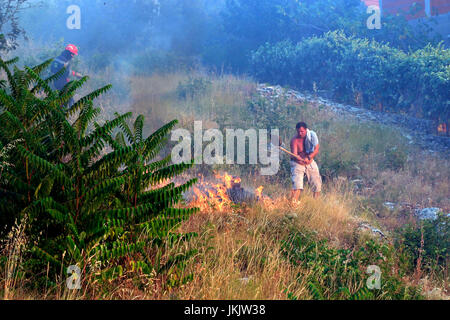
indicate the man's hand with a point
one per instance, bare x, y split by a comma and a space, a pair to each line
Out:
308, 160
77, 74
304, 160
301, 160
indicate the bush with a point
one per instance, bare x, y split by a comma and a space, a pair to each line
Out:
100, 211
341, 273
429, 241
386, 78
248, 24
394, 159
193, 87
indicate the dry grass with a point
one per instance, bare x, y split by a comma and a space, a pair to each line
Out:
13, 248
156, 97
239, 252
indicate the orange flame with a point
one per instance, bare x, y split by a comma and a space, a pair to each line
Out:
228, 180
258, 192
442, 127
214, 197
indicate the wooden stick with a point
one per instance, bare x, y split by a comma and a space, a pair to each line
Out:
285, 150
288, 152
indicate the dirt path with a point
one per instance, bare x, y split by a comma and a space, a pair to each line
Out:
417, 131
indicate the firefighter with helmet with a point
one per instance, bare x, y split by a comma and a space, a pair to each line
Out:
64, 61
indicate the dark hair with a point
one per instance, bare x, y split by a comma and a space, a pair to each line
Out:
301, 125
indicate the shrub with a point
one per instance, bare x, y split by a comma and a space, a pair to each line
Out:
85, 207
340, 273
394, 159
193, 87
385, 77
428, 243
246, 25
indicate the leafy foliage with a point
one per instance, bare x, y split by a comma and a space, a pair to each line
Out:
10, 28
434, 252
384, 77
100, 211
249, 24
340, 273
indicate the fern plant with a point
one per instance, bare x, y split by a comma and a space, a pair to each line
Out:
85, 207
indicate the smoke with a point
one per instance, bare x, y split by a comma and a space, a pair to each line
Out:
118, 39
122, 27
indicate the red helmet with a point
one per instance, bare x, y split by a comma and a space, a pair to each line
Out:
72, 48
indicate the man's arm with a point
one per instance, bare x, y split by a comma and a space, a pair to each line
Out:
314, 153
77, 74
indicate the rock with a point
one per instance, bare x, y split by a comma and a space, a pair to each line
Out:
390, 205
428, 213
291, 215
372, 229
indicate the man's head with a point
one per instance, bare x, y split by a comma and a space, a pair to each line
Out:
301, 129
72, 49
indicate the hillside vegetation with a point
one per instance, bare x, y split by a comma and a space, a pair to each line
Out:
268, 250
93, 207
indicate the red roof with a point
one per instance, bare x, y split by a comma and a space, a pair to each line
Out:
437, 7
371, 2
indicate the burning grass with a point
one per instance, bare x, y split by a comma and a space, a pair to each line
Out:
241, 247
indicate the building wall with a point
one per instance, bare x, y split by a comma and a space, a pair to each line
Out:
429, 7
438, 9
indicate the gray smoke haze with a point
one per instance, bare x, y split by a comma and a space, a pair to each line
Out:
126, 36
118, 26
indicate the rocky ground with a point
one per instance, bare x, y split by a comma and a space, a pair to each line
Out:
418, 131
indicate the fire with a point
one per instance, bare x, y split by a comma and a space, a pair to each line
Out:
442, 128
228, 180
258, 192
214, 196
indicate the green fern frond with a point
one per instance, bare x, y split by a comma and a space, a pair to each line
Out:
40, 83
105, 129
166, 173
11, 80
362, 294
46, 256
125, 130
89, 97
43, 165
138, 126
315, 291
41, 67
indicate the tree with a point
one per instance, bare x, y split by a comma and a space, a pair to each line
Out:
83, 206
249, 24
10, 29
